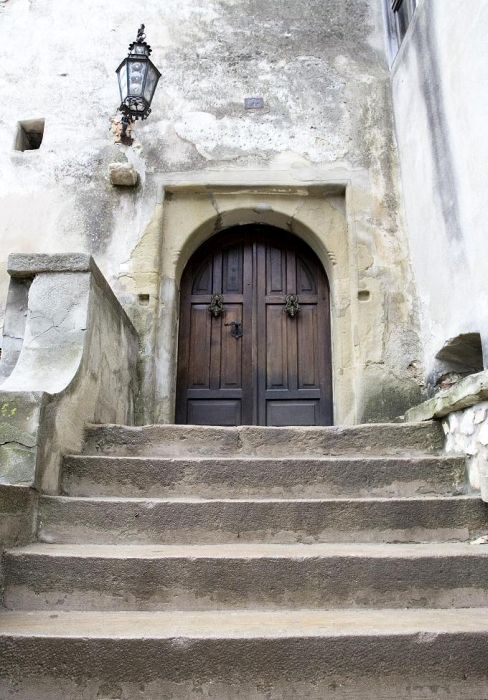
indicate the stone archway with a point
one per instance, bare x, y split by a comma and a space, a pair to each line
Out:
316, 215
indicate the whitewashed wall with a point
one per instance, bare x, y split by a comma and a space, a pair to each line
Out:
441, 106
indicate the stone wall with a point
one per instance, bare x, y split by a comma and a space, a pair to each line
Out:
320, 66
467, 433
440, 108
463, 410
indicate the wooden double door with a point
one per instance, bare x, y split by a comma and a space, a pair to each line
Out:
254, 340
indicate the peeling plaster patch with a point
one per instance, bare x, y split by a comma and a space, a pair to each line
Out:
228, 138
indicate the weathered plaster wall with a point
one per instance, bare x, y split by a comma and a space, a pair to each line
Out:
440, 109
320, 66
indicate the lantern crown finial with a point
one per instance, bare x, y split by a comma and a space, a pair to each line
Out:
141, 41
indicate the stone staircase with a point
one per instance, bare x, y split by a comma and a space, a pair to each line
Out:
253, 563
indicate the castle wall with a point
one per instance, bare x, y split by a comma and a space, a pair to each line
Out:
320, 66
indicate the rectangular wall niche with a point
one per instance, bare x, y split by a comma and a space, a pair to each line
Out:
29, 135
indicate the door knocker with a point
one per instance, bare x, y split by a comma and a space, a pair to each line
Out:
216, 306
292, 305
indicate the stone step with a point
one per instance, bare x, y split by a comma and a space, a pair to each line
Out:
192, 577
208, 441
200, 521
227, 477
245, 654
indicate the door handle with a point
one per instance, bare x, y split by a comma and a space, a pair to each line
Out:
236, 331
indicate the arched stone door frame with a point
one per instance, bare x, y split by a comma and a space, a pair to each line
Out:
315, 215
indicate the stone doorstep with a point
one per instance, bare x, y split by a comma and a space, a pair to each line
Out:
178, 440
468, 392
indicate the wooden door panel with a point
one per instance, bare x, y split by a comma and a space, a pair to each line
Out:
203, 280
293, 412
231, 354
199, 351
232, 270
307, 355
306, 282
276, 348
275, 270
214, 412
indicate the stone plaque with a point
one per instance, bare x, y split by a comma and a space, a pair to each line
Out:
253, 103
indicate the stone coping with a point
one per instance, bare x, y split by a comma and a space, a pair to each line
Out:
468, 392
28, 265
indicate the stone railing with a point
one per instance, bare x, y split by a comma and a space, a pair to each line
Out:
463, 409
69, 356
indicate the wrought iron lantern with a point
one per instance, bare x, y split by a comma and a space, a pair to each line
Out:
138, 77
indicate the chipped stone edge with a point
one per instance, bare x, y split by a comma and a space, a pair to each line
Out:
468, 392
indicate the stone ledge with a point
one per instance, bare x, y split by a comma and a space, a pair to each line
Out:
468, 392
28, 265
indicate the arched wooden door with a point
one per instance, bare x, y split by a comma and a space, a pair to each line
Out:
244, 357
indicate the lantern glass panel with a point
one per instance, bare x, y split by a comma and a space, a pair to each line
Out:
137, 71
122, 76
151, 82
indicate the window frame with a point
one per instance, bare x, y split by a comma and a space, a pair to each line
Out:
397, 25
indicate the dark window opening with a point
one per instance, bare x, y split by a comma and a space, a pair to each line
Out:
29, 135
399, 15
458, 358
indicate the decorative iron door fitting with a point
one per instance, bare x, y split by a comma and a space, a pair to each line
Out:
236, 331
292, 305
216, 306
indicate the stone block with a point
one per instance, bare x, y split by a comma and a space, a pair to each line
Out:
19, 420
468, 392
123, 175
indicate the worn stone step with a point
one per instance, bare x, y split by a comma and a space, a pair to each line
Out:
246, 441
245, 654
151, 577
227, 477
199, 521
